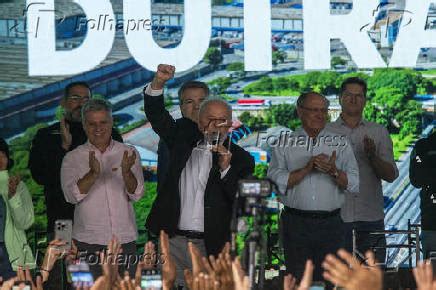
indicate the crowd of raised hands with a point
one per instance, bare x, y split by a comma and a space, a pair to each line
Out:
213, 273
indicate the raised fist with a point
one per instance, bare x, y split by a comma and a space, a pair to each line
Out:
164, 73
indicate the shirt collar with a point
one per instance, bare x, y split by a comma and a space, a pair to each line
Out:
92, 147
303, 132
341, 121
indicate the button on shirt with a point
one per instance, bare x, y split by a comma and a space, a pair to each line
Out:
317, 191
106, 209
367, 203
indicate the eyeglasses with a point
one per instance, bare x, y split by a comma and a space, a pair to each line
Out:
76, 98
315, 110
219, 123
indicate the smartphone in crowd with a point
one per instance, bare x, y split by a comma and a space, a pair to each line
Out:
151, 280
432, 258
80, 275
317, 286
22, 285
63, 231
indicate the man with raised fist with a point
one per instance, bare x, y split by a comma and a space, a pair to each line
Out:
194, 203
102, 178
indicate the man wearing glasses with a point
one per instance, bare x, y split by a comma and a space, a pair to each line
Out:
194, 203
363, 210
315, 168
51, 144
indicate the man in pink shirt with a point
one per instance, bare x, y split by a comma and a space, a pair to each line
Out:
102, 178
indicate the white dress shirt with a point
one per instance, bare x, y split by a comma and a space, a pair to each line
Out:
317, 191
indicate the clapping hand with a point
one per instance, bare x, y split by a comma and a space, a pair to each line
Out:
369, 147
13, 184
94, 165
128, 161
326, 164
66, 136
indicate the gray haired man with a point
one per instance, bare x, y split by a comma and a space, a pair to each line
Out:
103, 178
315, 168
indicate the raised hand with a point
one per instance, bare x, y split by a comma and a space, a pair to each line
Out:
307, 279
241, 281
25, 275
128, 284
423, 274
352, 275
12, 185
164, 73
290, 283
128, 161
196, 258
52, 254
147, 262
66, 136
110, 260
94, 165
168, 267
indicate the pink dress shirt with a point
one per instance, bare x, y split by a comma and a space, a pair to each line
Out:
106, 209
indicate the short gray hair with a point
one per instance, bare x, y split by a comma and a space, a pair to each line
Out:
302, 98
95, 105
212, 100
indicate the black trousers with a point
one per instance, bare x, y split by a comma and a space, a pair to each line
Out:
365, 241
306, 238
128, 262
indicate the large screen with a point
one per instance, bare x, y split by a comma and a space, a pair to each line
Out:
259, 55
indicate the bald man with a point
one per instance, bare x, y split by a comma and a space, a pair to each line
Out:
194, 204
315, 168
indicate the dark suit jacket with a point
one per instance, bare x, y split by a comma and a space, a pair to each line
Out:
181, 137
422, 173
45, 161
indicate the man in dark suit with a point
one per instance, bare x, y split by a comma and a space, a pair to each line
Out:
191, 94
194, 203
422, 173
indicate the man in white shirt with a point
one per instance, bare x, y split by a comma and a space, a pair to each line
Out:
102, 178
315, 168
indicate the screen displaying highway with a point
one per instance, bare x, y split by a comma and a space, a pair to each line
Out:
259, 55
